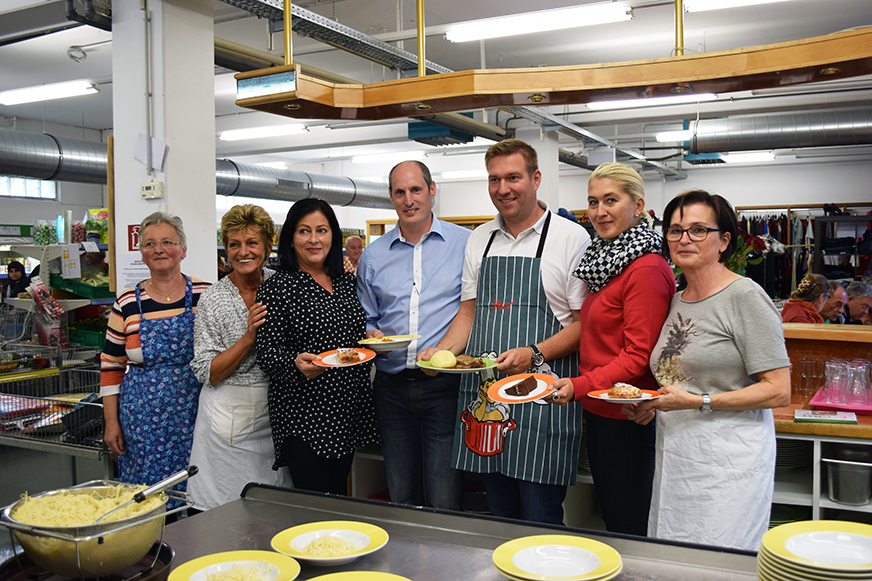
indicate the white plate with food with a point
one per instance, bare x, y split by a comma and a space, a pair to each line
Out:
446, 362
343, 357
330, 542
238, 566
388, 342
624, 393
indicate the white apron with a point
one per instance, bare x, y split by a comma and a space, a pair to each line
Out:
706, 467
232, 444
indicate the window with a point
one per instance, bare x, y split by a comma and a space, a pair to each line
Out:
27, 188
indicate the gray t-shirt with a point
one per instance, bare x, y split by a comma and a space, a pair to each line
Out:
721, 342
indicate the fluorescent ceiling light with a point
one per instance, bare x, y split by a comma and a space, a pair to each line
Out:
395, 157
650, 101
540, 21
258, 132
464, 174
670, 136
47, 92
379, 179
703, 5
750, 157
274, 164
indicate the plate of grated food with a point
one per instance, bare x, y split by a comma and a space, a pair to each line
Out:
330, 542
238, 566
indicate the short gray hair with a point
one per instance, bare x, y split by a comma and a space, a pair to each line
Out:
164, 218
859, 289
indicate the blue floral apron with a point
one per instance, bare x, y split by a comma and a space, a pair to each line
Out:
532, 442
158, 400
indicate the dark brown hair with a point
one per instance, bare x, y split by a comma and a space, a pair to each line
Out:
725, 217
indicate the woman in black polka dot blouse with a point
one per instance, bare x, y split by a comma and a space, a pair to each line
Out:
319, 416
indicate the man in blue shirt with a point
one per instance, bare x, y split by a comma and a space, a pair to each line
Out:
408, 282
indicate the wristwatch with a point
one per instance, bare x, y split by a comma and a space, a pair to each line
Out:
706, 406
537, 359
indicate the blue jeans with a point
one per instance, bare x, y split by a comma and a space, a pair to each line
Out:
416, 419
512, 498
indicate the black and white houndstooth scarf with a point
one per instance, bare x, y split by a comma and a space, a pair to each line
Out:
605, 259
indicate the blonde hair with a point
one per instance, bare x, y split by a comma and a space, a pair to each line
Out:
811, 287
241, 217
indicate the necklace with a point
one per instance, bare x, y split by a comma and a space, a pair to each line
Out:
168, 295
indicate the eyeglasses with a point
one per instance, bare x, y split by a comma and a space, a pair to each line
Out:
165, 244
695, 233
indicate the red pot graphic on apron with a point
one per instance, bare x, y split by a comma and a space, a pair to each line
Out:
486, 423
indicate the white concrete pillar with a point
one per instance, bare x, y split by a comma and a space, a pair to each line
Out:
183, 111
546, 146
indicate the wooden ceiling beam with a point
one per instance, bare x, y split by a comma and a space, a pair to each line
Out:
835, 56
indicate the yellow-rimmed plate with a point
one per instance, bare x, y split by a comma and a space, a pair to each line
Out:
784, 570
271, 566
606, 577
360, 576
388, 342
365, 537
556, 558
822, 545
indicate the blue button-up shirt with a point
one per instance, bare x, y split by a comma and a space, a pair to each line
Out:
412, 289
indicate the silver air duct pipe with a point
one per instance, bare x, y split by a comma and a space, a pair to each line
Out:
252, 181
786, 131
46, 157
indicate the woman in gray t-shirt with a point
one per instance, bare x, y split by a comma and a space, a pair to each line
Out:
722, 365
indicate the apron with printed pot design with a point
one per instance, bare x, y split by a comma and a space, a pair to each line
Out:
533, 442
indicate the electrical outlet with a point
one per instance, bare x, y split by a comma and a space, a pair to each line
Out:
151, 190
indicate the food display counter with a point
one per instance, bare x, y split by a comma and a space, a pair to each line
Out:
426, 544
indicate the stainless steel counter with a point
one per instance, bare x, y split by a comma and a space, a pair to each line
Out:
428, 545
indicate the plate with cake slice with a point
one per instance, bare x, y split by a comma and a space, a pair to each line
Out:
521, 388
624, 393
343, 357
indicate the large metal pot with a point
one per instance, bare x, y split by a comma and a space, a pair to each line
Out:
88, 551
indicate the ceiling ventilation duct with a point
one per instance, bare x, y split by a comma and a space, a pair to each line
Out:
46, 157
785, 131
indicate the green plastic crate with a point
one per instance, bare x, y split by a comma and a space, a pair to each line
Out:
81, 289
87, 335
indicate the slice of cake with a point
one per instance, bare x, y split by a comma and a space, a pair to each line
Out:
624, 391
346, 355
468, 362
522, 388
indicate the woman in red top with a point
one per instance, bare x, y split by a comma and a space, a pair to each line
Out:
807, 300
631, 286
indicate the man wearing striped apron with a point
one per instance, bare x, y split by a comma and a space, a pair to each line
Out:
519, 304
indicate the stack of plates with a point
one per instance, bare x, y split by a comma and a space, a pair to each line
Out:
816, 550
792, 453
557, 557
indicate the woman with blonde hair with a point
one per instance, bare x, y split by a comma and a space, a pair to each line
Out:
807, 300
631, 286
233, 438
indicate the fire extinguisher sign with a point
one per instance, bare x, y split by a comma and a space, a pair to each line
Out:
133, 237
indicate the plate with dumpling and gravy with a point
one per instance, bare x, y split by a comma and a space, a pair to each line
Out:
521, 388
238, 566
388, 342
624, 393
447, 362
330, 542
343, 357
